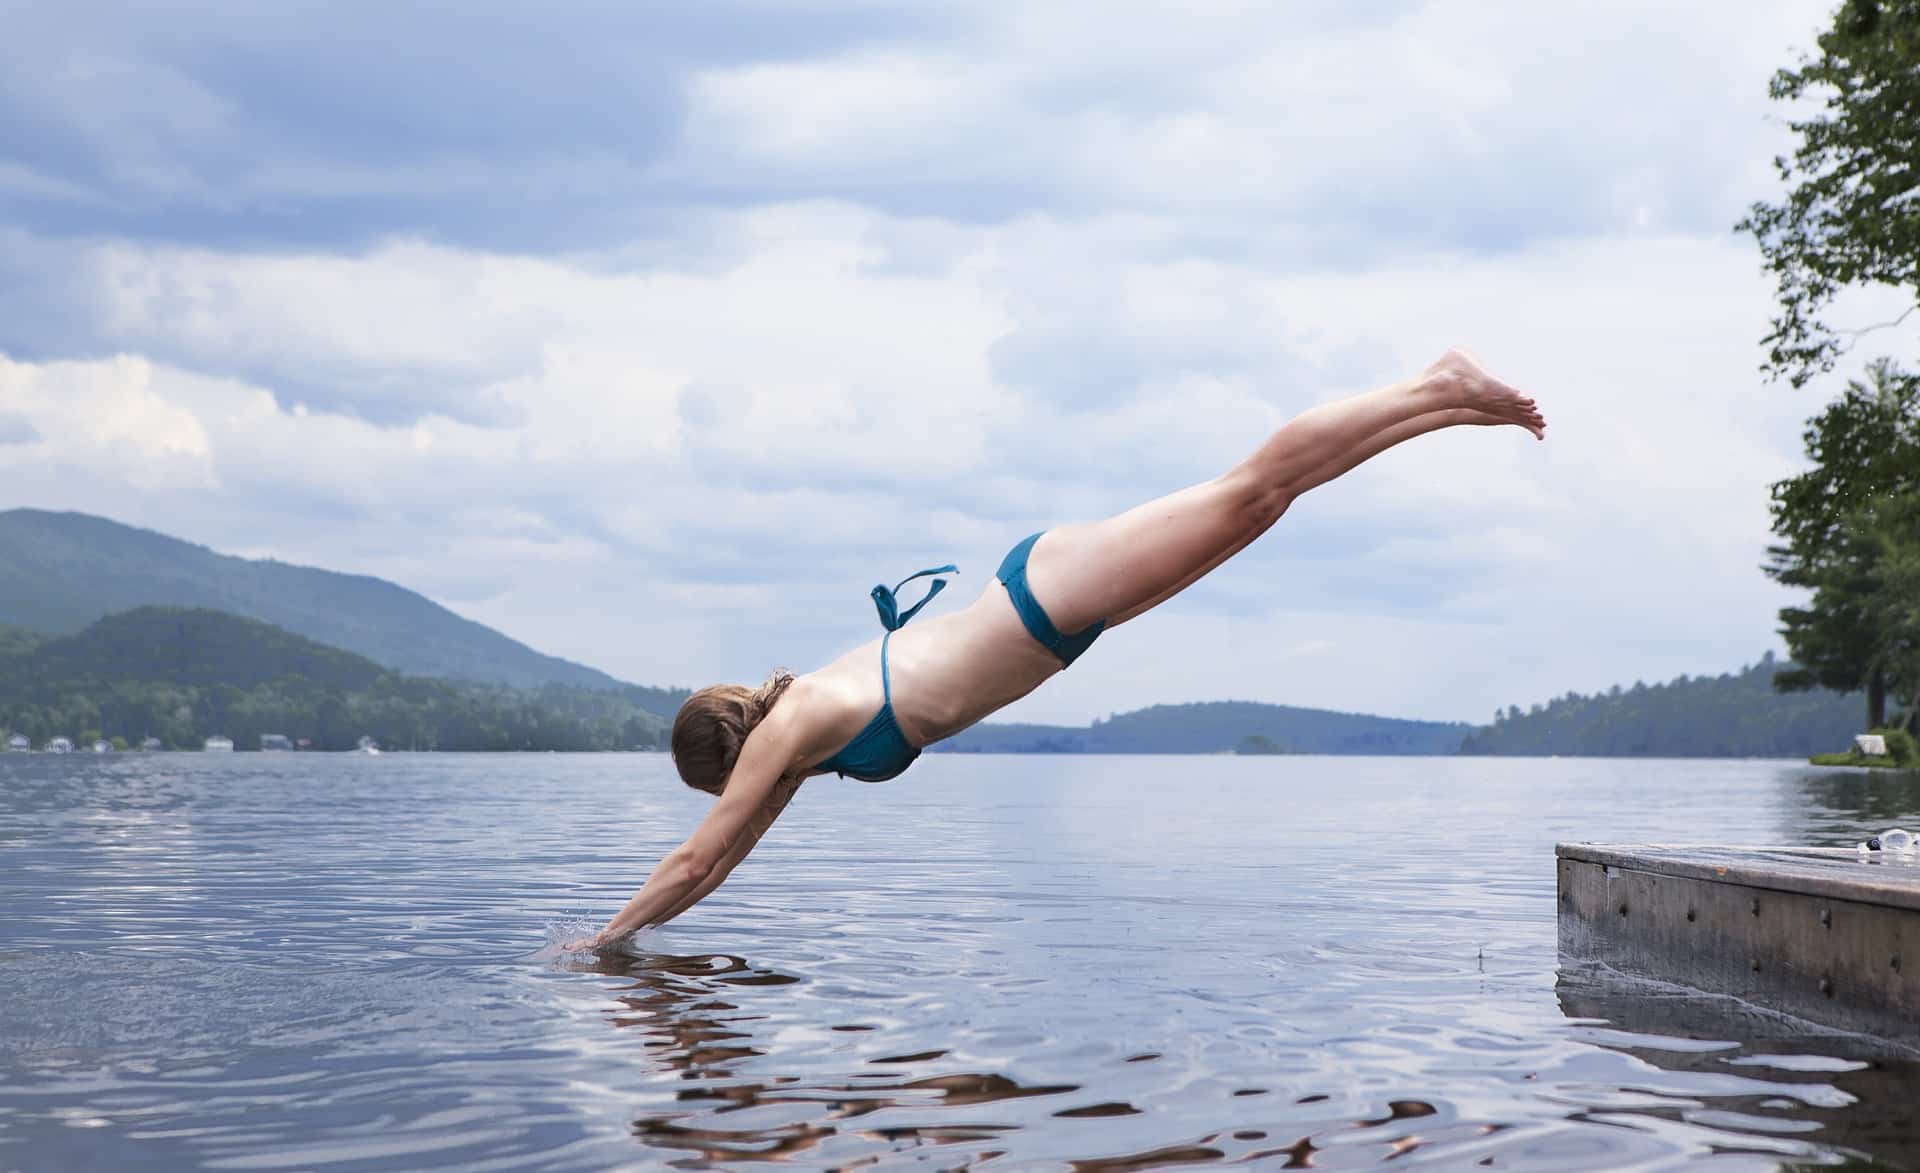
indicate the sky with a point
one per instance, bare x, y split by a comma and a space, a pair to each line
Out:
653, 335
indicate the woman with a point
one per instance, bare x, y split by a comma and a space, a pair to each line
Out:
867, 714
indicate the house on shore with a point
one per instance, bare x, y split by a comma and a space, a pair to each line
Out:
275, 743
18, 743
219, 744
60, 745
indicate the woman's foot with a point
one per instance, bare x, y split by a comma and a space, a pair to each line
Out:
1487, 400
1486, 419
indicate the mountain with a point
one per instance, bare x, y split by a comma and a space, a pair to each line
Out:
1219, 727
1733, 715
60, 572
181, 675
185, 647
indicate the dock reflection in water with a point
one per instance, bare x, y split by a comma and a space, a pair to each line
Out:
1719, 1062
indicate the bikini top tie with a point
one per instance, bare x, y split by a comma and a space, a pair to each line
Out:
887, 603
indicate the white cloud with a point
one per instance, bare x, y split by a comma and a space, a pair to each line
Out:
102, 420
707, 469
1059, 273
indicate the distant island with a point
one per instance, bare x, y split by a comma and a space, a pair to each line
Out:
1242, 727
1734, 715
107, 631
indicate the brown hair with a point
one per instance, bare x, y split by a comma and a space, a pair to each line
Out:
713, 724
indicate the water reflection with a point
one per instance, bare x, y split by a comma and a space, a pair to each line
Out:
1838, 807
673, 1001
1722, 1064
679, 1006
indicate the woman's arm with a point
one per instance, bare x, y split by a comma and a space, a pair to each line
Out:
783, 793
682, 877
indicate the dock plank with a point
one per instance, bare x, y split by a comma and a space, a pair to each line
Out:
1839, 872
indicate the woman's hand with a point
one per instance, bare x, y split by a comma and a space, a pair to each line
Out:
585, 944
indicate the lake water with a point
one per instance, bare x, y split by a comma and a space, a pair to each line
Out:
340, 962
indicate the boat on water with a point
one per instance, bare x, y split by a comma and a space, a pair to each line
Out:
219, 744
369, 746
18, 743
102, 746
60, 745
150, 744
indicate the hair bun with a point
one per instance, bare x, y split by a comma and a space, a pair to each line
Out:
762, 699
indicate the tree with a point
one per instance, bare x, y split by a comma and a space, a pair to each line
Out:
1836, 523
1895, 530
1851, 216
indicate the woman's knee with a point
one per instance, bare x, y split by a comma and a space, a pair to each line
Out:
1255, 502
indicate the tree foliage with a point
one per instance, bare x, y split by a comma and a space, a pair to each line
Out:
1894, 530
1851, 215
1736, 715
1845, 528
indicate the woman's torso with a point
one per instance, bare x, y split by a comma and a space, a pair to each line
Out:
947, 672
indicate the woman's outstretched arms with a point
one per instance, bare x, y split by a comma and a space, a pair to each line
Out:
754, 797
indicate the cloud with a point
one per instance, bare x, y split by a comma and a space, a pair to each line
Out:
17, 429
729, 490
318, 124
656, 337
1332, 133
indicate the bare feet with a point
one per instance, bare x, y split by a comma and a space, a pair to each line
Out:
1485, 399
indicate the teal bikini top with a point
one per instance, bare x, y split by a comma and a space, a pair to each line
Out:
880, 751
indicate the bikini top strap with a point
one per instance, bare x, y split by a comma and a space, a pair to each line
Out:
884, 600
886, 678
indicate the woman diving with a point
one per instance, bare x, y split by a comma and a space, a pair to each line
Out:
867, 714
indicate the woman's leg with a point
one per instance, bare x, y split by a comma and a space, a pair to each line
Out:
1334, 467
1117, 568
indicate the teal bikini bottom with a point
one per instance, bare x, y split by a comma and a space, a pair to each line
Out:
880, 751
1013, 573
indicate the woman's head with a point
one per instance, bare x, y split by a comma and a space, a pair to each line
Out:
713, 724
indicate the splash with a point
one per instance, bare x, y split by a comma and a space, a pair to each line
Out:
560, 935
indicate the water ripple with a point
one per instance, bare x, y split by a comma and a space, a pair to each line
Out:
333, 962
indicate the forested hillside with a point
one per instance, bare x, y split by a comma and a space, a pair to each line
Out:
1735, 715
60, 572
1219, 727
181, 675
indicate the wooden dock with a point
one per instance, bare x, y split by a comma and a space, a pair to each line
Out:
1820, 933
